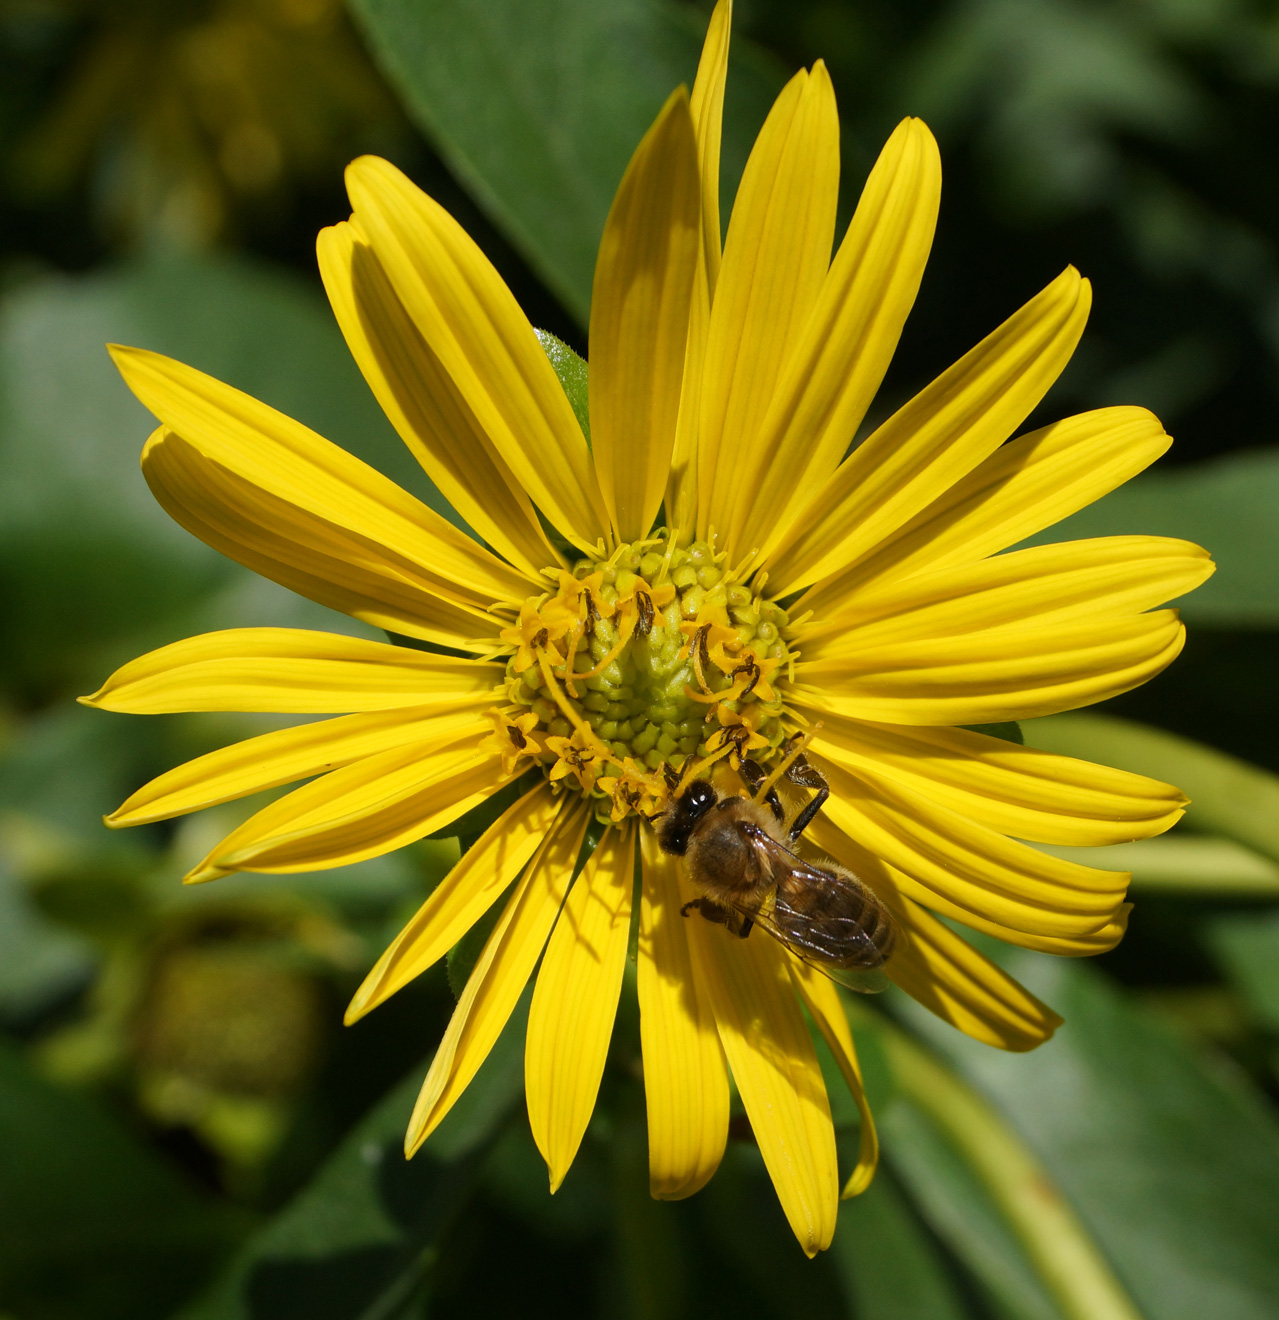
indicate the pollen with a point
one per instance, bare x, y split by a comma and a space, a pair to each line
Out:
637, 664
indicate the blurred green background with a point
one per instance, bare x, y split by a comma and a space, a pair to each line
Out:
185, 1128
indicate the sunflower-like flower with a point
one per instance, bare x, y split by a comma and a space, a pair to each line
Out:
601, 654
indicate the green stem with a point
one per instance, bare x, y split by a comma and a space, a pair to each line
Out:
1058, 1245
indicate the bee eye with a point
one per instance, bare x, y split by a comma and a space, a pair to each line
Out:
699, 798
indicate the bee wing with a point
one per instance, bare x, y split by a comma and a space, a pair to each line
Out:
809, 939
865, 980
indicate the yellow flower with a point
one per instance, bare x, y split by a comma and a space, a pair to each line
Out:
864, 599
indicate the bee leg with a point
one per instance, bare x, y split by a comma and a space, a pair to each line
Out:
806, 776
738, 923
711, 911
754, 775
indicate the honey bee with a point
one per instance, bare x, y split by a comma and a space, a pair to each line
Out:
737, 852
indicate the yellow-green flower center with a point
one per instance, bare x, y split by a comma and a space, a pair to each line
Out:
640, 661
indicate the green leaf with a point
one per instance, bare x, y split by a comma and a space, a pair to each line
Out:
1247, 947
1227, 506
1227, 796
1183, 863
572, 371
1009, 730
360, 1241
959, 1209
652, 1243
66, 768
943, 1191
537, 112
743, 1226
890, 1267
91, 1222
88, 559
1171, 1163
38, 962
463, 956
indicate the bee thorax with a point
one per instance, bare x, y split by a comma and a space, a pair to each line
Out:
724, 863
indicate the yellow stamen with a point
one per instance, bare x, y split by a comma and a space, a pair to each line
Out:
616, 650
588, 734
697, 767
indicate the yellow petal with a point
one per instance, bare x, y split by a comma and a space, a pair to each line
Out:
461, 898
1023, 487
936, 439
639, 319
778, 1077
967, 864
291, 671
363, 810
775, 258
474, 326
314, 557
570, 1020
823, 1002
1044, 586
963, 987
681, 486
707, 108
848, 342
685, 1076
887, 881
1016, 790
500, 974
424, 405
283, 757
999, 674
326, 484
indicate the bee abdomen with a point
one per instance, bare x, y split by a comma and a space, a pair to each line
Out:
840, 923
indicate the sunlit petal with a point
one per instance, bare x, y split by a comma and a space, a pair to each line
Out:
342, 497
570, 1020
639, 319
1023, 487
291, 670
936, 439
364, 809
500, 975
822, 1000
838, 363
962, 902
282, 757
685, 1075
775, 1066
477, 881
472, 323
707, 109
775, 258
997, 674
1045, 586
425, 406
1013, 789
969, 865
963, 987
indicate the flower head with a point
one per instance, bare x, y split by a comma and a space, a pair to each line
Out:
866, 600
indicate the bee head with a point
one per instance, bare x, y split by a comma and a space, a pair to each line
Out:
678, 823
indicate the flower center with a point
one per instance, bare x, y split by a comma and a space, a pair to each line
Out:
636, 665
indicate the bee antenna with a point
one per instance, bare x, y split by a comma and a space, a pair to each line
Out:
696, 767
793, 755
